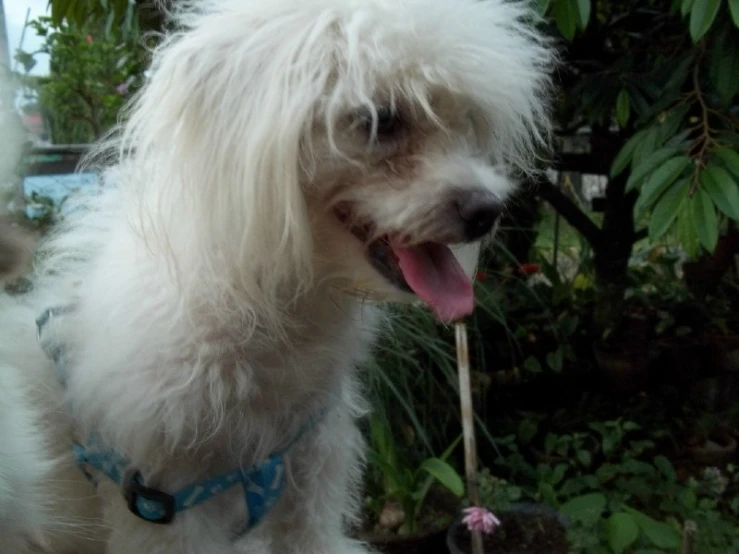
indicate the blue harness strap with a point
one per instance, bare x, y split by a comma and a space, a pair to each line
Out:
262, 484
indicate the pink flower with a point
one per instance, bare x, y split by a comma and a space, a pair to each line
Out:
89, 39
122, 89
480, 519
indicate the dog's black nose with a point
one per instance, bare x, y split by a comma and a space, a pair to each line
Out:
479, 212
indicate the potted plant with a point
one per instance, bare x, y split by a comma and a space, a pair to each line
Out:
411, 503
522, 528
625, 370
508, 524
711, 443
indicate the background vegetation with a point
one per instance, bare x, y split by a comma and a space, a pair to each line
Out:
606, 340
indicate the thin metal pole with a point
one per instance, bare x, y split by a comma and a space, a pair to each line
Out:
468, 425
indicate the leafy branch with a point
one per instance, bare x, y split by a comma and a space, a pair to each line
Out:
704, 140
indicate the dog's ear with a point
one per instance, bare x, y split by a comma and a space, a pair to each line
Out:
218, 131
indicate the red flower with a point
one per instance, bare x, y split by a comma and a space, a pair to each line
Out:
529, 269
89, 39
481, 276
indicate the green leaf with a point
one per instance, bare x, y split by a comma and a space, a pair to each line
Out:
583, 9
688, 498
666, 210
128, 19
626, 153
419, 495
532, 364
586, 509
702, 17
119, 8
722, 189
26, 60
58, 10
451, 447
548, 494
610, 442
622, 531
637, 467
584, 457
569, 324
686, 7
680, 140
660, 534
649, 164
734, 9
606, 472
527, 430
542, 6
729, 157
549, 443
658, 183
559, 473
555, 360
679, 73
381, 440
686, 231
665, 467
623, 108
80, 11
444, 474
639, 102
110, 20
704, 217
648, 145
723, 67
567, 17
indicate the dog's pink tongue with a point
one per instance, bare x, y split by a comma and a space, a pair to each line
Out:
434, 274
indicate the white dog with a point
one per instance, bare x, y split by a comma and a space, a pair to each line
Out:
286, 161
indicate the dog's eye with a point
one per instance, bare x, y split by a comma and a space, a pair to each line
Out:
386, 124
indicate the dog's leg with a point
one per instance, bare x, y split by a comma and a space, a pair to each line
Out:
191, 533
205, 529
24, 466
323, 494
45, 503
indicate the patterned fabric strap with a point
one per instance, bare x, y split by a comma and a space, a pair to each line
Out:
262, 484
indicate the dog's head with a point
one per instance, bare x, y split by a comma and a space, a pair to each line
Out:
355, 142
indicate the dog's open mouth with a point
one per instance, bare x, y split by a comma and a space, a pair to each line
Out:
429, 270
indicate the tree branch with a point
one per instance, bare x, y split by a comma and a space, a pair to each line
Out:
570, 211
581, 163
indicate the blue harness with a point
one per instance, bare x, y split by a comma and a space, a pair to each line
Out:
262, 484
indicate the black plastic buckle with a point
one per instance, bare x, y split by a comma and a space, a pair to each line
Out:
133, 489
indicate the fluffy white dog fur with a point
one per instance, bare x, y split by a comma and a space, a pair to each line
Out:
221, 301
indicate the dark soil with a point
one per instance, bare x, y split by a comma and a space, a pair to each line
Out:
432, 543
521, 534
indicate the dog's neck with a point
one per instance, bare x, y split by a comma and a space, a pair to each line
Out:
195, 382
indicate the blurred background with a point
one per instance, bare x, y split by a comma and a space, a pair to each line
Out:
605, 344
